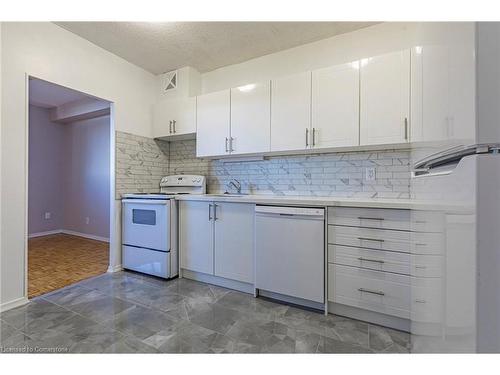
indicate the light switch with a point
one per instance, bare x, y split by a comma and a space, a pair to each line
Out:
47, 216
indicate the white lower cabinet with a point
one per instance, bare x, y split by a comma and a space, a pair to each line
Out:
369, 263
217, 239
196, 236
234, 241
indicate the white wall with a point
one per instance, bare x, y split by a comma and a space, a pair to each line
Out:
47, 160
86, 185
49, 52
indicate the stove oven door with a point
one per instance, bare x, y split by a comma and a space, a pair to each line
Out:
146, 223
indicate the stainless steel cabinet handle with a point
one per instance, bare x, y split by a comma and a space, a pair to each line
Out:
314, 137
370, 239
226, 145
406, 128
209, 212
170, 127
377, 292
307, 137
370, 218
421, 267
370, 260
215, 212
420, 301
173, 123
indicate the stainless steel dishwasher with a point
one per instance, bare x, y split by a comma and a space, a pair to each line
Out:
289, 251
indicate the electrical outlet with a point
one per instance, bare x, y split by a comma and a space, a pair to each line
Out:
370, 174
47, 215
87, 220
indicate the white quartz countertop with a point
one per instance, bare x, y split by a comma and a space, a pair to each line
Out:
312, 201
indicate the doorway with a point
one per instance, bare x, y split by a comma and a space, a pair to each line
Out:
69, 181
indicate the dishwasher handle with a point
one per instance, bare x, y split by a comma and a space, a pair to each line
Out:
284, 211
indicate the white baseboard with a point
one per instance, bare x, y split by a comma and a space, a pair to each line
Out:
85, 235
47, 233
116, 268
13, 304
70, 232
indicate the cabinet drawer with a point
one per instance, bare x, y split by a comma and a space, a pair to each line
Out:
426, 300
425, 221
382, 292
380, 239
427, 243
388, 261
370, 217
426, 265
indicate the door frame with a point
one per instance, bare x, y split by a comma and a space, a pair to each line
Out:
113, 234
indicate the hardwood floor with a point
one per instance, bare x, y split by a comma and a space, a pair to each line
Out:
58, 260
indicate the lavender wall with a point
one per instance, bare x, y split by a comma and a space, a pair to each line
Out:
46, 166
68, 175
86, 178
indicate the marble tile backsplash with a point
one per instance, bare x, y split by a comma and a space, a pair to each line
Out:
335, 174
140, 163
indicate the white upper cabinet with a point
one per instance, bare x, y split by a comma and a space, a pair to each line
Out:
385, 99
291, 112
335, 106
251, 118
174, 117
443, 95
213, 124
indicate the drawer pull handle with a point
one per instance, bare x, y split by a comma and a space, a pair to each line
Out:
370, 260
420, 244
421, 267
378, 293
421, 222
370, 239
370, 218
420, 301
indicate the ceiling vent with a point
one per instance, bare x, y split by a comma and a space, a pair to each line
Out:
169, 81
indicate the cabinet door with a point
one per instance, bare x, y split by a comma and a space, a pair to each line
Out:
234, 241
291, 112
212, 120
385, 99
181, 110
443, 95
335, 106
251, 118
196, 236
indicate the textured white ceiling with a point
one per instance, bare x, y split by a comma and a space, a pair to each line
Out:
161, 47
49, 95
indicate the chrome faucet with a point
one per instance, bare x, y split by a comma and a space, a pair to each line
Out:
235, 184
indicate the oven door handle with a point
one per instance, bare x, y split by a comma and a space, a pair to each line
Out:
145, 201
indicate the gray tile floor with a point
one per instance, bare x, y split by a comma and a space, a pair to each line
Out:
127, 313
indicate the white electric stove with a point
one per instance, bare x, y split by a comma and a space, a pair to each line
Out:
149, 226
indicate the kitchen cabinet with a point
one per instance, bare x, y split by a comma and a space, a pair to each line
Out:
174, 118
385, 99
217, 239
213, 119
291, 112
234, 241
443, 104
335, 106
369, 263
196, 236
251, 118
